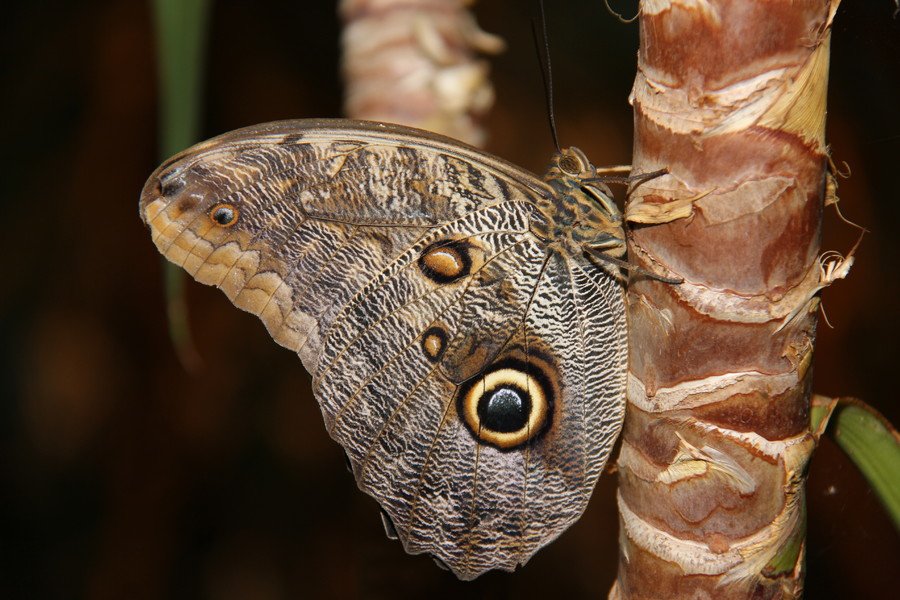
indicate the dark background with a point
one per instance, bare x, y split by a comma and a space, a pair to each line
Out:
125, 477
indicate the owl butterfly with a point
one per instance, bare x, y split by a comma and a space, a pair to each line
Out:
461, 318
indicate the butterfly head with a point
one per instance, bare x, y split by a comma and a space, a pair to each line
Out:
583, 210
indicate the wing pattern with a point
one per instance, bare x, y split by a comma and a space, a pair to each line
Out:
472, 368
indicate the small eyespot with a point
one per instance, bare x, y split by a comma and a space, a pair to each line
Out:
225, 215
434, 343
446, 261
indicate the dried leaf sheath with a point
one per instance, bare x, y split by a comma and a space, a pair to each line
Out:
416, 63
730, 98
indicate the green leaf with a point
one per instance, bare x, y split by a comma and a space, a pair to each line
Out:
785, 560
180, 52
180, 48
874, 447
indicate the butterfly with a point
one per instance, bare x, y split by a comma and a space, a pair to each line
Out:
463, 320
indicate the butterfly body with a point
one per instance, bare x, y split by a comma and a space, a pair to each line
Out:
466, 350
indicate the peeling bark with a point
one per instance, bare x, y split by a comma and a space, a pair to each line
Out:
730, 98
416, 63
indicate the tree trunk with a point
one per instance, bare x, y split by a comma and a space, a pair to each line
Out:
730, 98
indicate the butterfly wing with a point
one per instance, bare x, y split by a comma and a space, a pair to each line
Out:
472, 370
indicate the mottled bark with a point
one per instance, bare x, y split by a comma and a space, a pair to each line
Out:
730, 98
416, 63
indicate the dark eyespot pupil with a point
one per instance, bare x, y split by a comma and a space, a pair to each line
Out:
504, 410
223, 215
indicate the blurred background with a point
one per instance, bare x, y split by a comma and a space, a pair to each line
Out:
125, 477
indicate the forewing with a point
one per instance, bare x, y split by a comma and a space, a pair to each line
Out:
323, 206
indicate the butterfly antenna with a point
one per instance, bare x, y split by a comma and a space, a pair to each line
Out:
637, 179
543, 51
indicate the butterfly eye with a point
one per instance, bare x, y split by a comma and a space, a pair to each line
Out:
507, 407
225, 215
569, 165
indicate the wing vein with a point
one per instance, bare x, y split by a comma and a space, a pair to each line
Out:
581, 384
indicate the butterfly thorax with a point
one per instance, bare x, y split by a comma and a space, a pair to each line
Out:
581, 212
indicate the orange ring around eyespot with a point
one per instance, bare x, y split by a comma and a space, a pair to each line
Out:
224, 206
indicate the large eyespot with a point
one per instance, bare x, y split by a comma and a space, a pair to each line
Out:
446, 261
508, 406
224, 214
